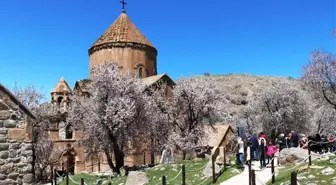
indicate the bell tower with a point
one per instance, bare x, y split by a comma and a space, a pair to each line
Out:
60, 94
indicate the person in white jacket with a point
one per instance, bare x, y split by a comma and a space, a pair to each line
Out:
240, 153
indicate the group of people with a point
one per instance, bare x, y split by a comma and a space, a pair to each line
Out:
255, 148
261, 148
322, 144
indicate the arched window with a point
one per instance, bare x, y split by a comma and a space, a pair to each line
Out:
68, 132
59, 100
140, 72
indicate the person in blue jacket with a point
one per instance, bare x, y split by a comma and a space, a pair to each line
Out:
255, 148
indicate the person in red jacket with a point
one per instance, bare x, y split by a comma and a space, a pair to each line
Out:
262, 135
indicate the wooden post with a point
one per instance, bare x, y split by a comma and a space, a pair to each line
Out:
272, 170
250, 171
52, 175
253, 180
293, 178
144, 157
82, 181
98, 164
309, 154
183, 175
55, 177
224, 158
164, 180
67, 178
213, 169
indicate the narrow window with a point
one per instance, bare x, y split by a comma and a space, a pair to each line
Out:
140, 72
68, 132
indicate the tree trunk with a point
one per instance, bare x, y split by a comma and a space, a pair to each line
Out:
119, 158
109, 160
98, 164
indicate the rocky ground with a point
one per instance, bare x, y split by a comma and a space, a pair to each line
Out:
322, 172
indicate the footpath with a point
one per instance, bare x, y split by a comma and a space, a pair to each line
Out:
262, 175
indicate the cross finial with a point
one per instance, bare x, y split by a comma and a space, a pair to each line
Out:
123, 5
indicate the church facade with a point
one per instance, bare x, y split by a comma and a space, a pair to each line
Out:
122, 42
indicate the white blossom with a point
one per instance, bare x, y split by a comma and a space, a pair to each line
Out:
114, 115
282, 108
196, 101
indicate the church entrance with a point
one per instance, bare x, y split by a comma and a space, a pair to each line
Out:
70, 158
70, 164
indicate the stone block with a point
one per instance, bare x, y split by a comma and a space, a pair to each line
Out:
28, 169
14, 146
27, 146
17, 134
4, 155
3, 138
27, 153
6, 169
3, 130
3, 177
28, 178
18, 181
4, 114
4, 146
10, 182
14, 116
14, 160
2, 162
3, 106
10, 123
13, 175
12, 153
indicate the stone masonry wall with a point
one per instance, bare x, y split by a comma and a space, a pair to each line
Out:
16, 154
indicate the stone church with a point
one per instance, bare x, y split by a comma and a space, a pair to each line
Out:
122, 42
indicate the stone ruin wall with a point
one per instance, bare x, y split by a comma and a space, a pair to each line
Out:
16, 154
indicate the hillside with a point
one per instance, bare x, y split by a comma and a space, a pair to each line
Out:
242, 89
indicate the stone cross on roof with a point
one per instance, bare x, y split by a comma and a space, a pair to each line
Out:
123, 5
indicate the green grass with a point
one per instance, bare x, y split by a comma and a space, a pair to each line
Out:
304, 171
90, 179
194, 174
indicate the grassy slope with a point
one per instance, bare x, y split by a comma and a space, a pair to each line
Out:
193, 174
283, 176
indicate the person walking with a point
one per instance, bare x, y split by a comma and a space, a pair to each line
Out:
290, 140
295, 139
282, 142
271, 150
262, 152
332, 144
240, 153
255, 148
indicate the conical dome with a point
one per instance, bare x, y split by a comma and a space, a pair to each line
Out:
123, 43
122, 30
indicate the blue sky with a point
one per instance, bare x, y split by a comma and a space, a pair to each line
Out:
43, 40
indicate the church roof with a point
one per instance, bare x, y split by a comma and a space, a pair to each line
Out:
13, 98
83, 85
148, 81
122, 30
61, 86
214, 134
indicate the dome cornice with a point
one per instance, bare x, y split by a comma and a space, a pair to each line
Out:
132, 45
